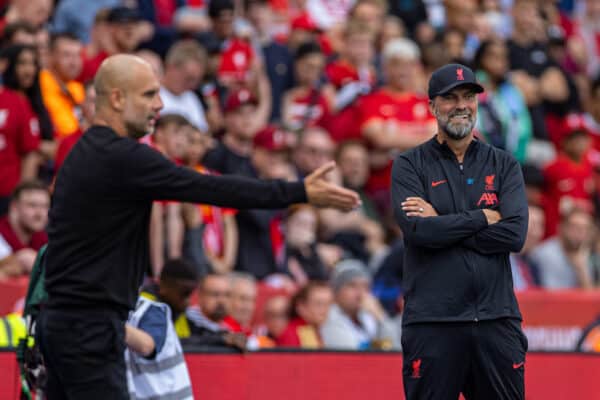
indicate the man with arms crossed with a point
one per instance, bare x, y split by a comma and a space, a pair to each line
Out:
98, 229
462, 209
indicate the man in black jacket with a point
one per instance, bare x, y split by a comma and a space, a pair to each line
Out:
98, 229
462, 209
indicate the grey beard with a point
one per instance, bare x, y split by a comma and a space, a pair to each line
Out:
458, 132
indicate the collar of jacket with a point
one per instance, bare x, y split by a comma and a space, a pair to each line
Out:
442, 149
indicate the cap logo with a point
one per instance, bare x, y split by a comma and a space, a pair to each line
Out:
459, 74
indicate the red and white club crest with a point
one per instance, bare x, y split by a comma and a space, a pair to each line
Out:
459, 74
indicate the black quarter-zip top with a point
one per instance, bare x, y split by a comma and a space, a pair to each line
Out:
456, 266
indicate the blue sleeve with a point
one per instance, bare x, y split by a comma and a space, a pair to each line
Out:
154, 323
431, 232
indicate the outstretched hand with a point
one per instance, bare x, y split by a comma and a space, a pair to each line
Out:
322, 193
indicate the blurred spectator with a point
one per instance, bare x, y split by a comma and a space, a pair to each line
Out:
275, 317
328, 13
396, 117
242, 302
314, 149
358, 232
503, 118
178, 280
533, 71
117, 30
591, 120
310, 101
525, 272
206, 323
88, 110
454, 43
462, 16
565, 260
303, 260
166, 222
22, 75
19, 32
154, 60
20, 142
356, 321
232, 153
42, 43
271, 151
34, 12
61, 93
211, 238
569, 178
276, 57
370, 13
22, 230
309, 310
184, 69
412, 13
352, 76
77, 17
587, 33
534, 184
303, 29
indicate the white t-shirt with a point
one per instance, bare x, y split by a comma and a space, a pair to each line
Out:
186, 104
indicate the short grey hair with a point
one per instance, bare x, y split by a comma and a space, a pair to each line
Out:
401, 48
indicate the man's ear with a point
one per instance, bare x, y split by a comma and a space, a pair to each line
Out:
117, 99
432, 107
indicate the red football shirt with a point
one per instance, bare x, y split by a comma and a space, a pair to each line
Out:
409, 111
64, 148
38, 239
566, 181
19, 135
307, 108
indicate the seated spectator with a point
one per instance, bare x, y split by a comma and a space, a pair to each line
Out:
185, 66
565, 260
275, 319
22, 230
242, 302
502, 116
61, 93
525, 272
211, 236
314, 149
20, 138
356, 321
22, 74
206, 322
359, 232
304, 261
569, 178
309, 310
309, 102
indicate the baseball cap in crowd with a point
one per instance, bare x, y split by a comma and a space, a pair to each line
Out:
271, 138
567, 127
451, 76
123, 14
346, 271
239, 98
304, 22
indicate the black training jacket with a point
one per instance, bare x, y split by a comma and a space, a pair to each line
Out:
456, 267
99, 219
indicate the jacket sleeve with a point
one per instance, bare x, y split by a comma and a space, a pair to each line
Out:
432, 232
507, 235
147, 175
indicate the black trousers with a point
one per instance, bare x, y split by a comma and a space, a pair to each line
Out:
84, 354
482, 360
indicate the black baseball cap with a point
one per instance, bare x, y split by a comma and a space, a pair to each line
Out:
123, 14
450, 76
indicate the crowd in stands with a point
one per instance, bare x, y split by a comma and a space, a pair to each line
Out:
276, 88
